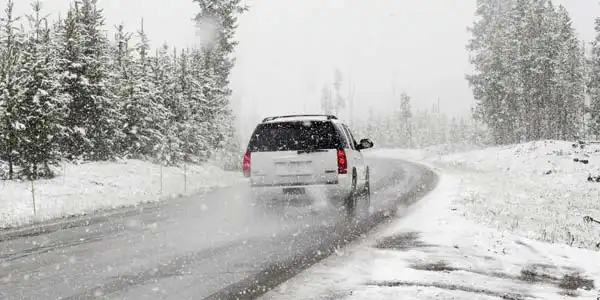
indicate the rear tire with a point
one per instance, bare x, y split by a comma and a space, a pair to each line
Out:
359, 201
351, 202
364, 199
365, 196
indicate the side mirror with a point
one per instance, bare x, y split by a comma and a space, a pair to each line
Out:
365, 144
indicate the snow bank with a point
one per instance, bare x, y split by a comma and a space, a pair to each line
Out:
435, 252
100, 185
535, 189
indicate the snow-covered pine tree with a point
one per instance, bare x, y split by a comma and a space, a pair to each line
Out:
528, 74
419, 124
104, 126
121, 79
68, 43
516, 75
405, 119
454, 132
486, 48
214, 108
327, 105
193, 133
42, 108
122, 51
94, 118
340, 102
219, 16
145, 114
570, 82
441, 129
11, 43
165, 79
385, 128
593, 84
543, 32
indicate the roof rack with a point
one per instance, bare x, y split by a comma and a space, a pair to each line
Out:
329, 117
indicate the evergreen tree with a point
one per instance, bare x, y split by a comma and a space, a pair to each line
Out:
570, 80
405, 117
486, 47
11, 44
41, 109
193, 132
528, 79
212, 102
327, 106
145, 114
594, 82
222, 16
454, 131
122, 80
340, 102
67, 92
518, 72
165, 79
94, 118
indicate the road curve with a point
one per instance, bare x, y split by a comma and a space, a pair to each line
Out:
215, 246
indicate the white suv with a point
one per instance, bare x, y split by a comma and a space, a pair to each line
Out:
308, 156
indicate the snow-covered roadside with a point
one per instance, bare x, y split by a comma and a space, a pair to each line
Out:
535, 189
102, 185
468, 239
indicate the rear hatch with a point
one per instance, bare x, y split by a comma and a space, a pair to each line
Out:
294, 153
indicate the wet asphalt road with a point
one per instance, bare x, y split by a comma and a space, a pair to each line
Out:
215, 246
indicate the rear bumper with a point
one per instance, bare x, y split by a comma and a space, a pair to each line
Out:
333, 188
329, 191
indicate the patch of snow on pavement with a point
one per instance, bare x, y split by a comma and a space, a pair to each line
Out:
477, 235
101, 185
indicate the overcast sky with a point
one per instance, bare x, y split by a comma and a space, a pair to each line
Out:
289, 48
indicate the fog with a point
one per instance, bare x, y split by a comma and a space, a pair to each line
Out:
289, 49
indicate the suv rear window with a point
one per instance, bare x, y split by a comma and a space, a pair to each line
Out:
293, 136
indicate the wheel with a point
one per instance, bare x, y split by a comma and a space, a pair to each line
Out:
359, 201
363, 201
366, 193
351, 202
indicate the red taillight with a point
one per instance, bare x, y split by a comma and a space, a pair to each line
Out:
342, 161
246, 164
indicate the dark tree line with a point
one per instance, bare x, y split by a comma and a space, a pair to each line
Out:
68, 91
529, 74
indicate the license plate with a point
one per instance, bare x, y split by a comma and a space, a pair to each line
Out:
293, 168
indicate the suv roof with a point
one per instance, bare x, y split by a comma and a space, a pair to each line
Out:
292, 118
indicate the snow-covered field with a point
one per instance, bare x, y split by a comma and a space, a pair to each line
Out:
535, 189
498, 226
101, 185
